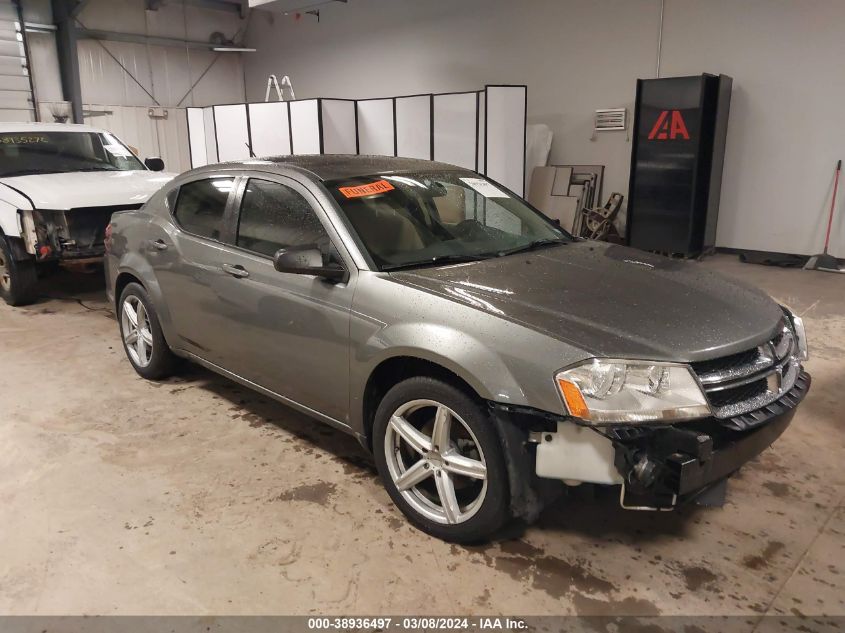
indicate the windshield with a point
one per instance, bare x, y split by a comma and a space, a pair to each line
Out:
26, 153
419, 219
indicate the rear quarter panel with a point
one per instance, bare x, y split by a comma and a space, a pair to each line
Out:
128, 254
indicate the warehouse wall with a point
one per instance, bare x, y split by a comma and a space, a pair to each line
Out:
578, 56
789, 95
165, 72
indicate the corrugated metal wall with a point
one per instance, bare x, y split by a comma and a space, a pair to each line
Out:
16, 100
166, 72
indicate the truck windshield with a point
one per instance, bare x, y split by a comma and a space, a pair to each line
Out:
411, 220
26, 153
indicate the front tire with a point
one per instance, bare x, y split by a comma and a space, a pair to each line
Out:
143, 339
18, 278
441, 460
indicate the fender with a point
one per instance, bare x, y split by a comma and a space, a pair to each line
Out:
465, 356
10, 220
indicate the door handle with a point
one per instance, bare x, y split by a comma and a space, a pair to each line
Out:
235, 270
158, 245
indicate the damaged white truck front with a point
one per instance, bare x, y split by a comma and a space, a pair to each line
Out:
59, 185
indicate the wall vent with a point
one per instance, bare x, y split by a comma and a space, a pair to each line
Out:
612, 119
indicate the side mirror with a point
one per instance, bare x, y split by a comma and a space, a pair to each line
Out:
154, 164
306, 260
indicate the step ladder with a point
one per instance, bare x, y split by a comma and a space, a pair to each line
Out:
273, 82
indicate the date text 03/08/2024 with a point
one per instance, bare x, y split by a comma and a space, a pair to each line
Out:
415, 623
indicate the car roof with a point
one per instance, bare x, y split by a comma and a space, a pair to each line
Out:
337, 166
46, 127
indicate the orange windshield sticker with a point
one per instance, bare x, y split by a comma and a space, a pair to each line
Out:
381, 186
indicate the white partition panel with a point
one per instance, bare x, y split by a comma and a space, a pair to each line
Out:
210, 136
455, 131
232, 132
269, 128
196, 137
376, 130
505, 145
413, 127
482, 132
305, 127
338, 125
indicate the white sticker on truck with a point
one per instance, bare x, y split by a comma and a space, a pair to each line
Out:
117, 150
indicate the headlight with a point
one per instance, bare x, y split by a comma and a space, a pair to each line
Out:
800, 333
603, 391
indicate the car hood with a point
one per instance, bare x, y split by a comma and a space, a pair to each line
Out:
88, 188
611, 301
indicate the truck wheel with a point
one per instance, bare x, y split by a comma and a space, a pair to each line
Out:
441, 460
18, 278
142, 337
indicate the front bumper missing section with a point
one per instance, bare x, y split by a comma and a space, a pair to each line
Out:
664, 467
660, 467
75, 234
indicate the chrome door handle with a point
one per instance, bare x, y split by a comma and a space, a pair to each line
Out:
158, 245
235, 270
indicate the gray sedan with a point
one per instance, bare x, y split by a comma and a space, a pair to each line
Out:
486, 357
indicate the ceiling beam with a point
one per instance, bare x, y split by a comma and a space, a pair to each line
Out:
133, 38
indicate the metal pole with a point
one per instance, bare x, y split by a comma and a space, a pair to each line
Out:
66, 38
660, 38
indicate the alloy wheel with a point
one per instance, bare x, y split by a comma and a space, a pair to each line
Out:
435, 461
137, 335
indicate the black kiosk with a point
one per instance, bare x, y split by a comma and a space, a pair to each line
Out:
680, 128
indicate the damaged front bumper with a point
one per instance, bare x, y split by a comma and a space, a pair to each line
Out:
72, 234
666, 466
659, 467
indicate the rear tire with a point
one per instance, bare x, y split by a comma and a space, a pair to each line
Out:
431, 442
143, 339
18, 278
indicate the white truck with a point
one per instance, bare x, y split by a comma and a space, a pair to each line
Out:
59, 185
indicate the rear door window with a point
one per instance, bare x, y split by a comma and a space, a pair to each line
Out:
274, 216
201, 206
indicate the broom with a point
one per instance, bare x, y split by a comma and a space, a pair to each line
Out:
825, 261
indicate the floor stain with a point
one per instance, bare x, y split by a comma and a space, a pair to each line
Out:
778, 489
553, 575
762, 560
587, 605
318, 493
696, 577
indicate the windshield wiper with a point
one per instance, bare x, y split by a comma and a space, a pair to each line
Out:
533, 245
439, 260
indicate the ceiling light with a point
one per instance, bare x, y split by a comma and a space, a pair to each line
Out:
232, 49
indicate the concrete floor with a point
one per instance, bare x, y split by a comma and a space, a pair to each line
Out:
196, 496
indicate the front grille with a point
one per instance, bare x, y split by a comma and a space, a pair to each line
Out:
741, 383
737, 395
726, 363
